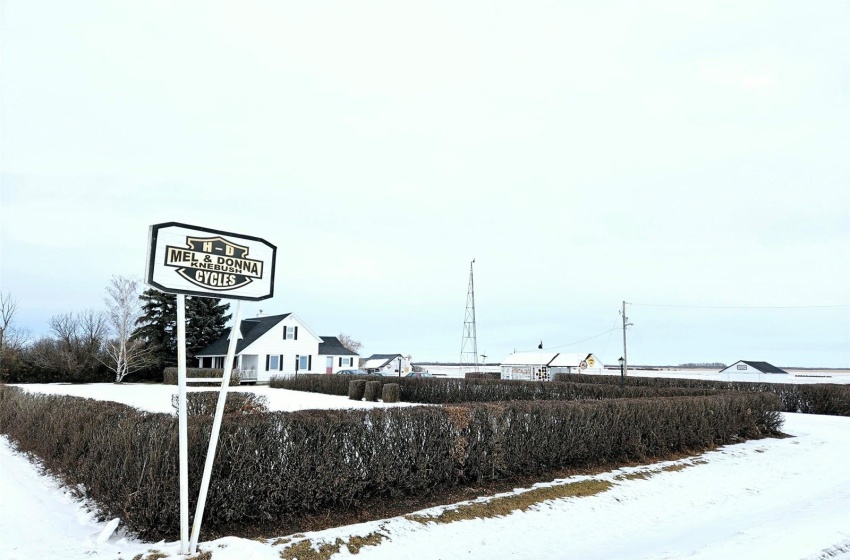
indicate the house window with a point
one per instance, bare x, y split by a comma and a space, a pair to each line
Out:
218, 362
304, 362
274, 363
290, 333
345, 362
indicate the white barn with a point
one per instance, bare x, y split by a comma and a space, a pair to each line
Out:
542, 365
746, 366
276, 345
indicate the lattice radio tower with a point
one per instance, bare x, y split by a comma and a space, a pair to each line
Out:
469, 344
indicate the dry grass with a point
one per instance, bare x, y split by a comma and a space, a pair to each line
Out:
505, 505
354, 544
640, 475
308, 550
152, 555
648, 473
304, 550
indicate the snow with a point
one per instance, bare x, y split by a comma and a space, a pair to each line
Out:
157, 398
772, 498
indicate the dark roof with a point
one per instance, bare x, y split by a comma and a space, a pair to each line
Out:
251, 330
331, 346
764, 367
383, 356
386, 357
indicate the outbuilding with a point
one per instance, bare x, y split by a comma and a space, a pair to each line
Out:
543, 365
567, 362
388, 364
746, 366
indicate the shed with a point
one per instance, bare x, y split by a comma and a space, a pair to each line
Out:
580, 362
746, 366
387, 364
543, 365
528, 365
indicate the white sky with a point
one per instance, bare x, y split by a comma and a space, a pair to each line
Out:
584, 153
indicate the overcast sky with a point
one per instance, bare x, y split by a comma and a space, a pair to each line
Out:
584, 153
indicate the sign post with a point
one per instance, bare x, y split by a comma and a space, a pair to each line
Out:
202, 262
182, 422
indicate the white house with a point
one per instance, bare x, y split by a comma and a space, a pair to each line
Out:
543, 365
745, 366
278, 344
388, 364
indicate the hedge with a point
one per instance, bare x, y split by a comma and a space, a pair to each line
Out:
169, 375
807, 398
321, 383
206, 402
455, 390
276, 468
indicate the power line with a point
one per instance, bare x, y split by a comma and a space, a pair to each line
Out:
577, 342
742, 306
613, 328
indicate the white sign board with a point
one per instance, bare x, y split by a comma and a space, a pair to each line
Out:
199, 261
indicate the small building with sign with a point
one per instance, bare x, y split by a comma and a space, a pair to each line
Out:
278, 345
527, 366
746, 366
388, 364
542, 365
570, 362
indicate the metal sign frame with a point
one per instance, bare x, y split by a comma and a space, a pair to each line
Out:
187, 258
168, 267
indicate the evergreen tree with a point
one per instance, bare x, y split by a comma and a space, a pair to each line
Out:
158, 326
205, 322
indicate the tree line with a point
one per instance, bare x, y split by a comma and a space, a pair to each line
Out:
135, 336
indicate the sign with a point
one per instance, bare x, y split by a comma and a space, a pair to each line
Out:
590, 362
583, 364
199, 261
741, 366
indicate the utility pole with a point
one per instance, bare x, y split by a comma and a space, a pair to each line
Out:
625, 324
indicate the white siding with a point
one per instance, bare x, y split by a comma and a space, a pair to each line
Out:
274, 343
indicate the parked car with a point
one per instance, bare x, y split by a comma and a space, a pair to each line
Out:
352, 372
419, 374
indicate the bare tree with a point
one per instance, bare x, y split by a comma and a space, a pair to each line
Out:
79, 340
350, 343
12, 338
126, 355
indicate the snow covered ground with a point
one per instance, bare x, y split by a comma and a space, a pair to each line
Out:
157, 398
773, 498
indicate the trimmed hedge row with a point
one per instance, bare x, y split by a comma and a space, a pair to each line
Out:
807, 398
169, 375
321, 383
482, 375
275, 468
455, 390
205, 403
